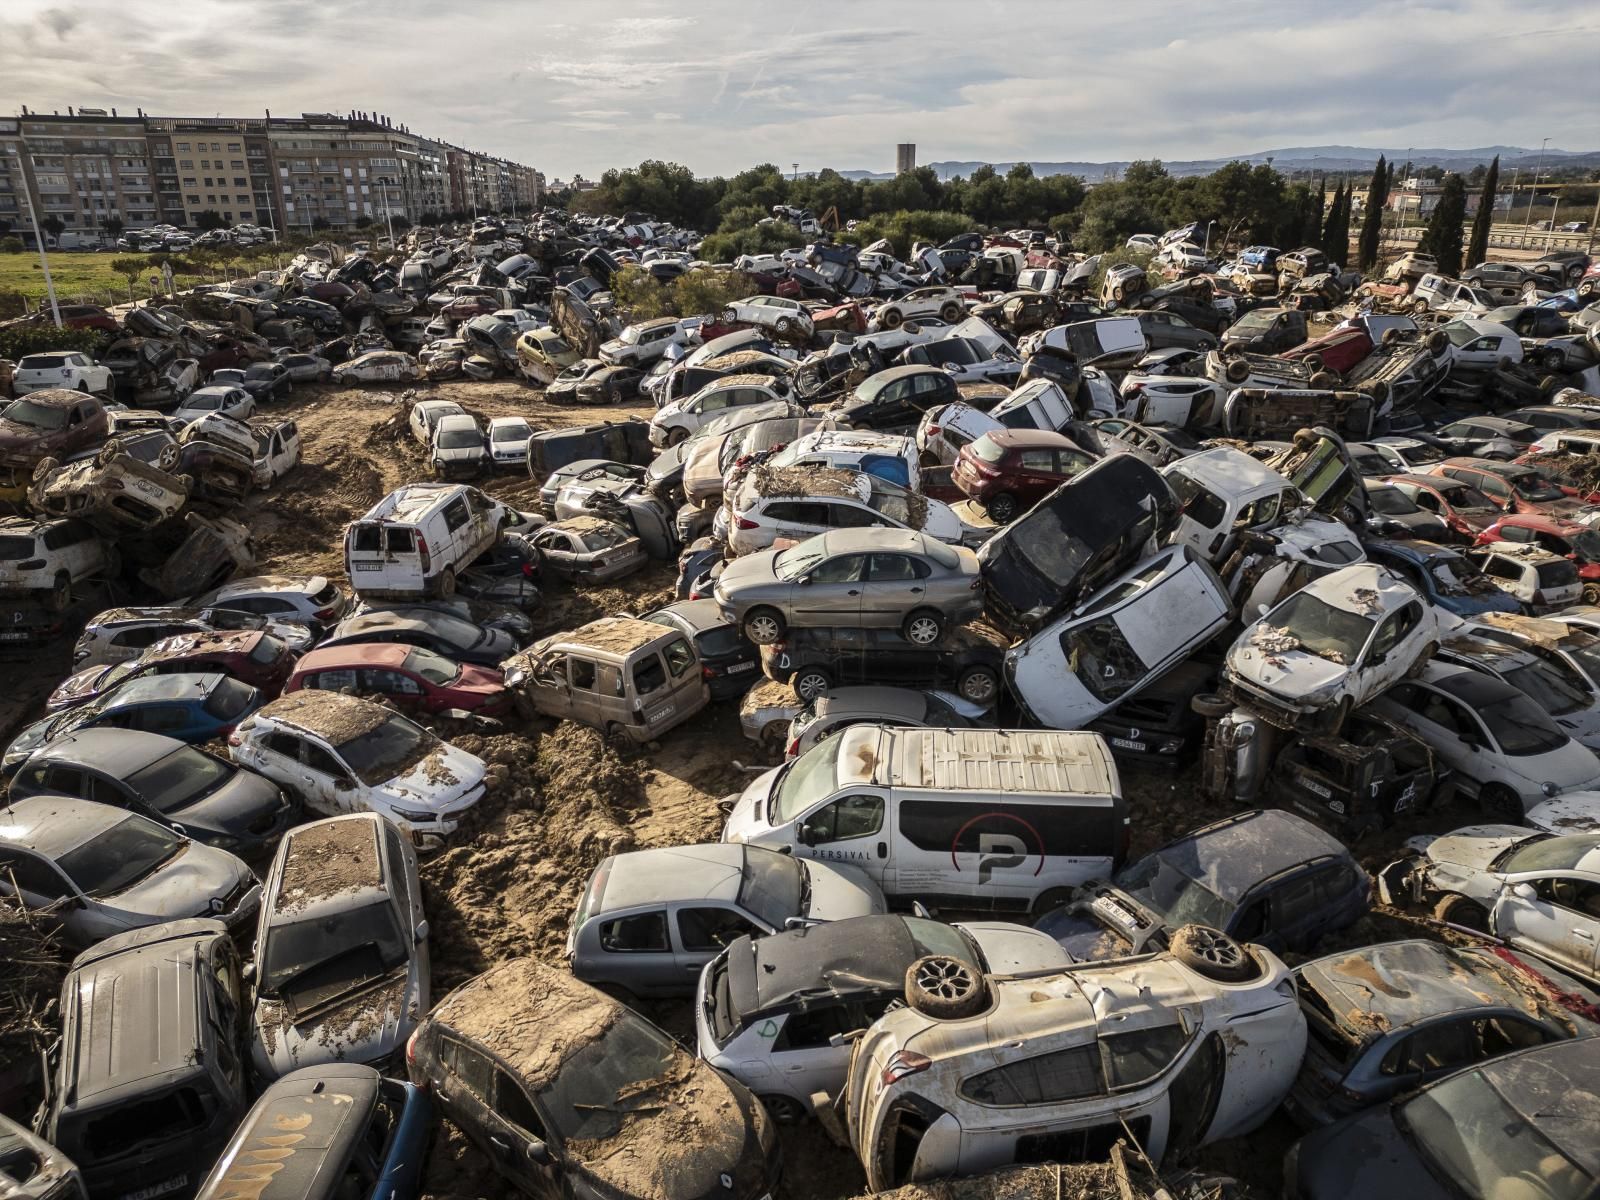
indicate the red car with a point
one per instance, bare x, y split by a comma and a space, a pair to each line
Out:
1339, 350
1466, 510
1008, 471
411, 677
248, 655
1569, 539
1513, 487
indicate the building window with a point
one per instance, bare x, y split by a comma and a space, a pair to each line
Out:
191, 182
183, 147
192, 199
233, 147
187, 164
237, 164
240, 182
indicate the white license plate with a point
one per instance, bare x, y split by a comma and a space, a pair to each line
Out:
1320, 789
14, 635
737, 667
368, 566
662, 714
176, 1183
1128, 744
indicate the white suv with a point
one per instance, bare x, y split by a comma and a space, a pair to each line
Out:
1177, 1049
677, 419
784, 317
946, 303
50, 557
68, 369
805, 501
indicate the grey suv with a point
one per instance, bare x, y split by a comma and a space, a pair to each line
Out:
341, 968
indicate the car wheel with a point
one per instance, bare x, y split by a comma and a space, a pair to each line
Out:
923, 627
676, 437
1437, 341
1209, 704
763, 626
891, 318
1313, 362
1237, 370
447, 583
729, 316
1324, 380
1456, 909
1501, 802
783, 325
979, 685
1419, 307
943, 987
61, 593
83, 386
1001, 508
951, 313
1212, 953
784, 1110
1591, 593
810, 682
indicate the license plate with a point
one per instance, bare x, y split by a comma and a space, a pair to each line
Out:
368, 566
174, 1184
662, 714
737, 667
1319, 789
1128, 744
14, 635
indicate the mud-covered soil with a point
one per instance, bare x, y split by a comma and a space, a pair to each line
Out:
561, 798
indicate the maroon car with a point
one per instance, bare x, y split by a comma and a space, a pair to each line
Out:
1338, 351
1466, 510
248, 655
1514, 487
1010, 470
49, 423
410, 677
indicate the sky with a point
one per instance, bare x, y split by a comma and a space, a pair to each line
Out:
720, 85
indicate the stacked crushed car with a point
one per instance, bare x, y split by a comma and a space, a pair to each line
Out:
965, 538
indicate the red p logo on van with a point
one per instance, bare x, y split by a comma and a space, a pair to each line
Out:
999, 849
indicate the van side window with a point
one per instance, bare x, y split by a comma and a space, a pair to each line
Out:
400, 539
455, 514
643, 932
847, 817
648, 675
679, 656
365, 538
582, 672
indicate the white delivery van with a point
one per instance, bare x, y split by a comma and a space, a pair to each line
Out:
417, 539
975, 818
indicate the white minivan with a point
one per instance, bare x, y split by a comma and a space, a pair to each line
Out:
416, 540
1007, 819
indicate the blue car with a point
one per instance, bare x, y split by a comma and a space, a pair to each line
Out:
1259, 258
330, 1132
1442, 574
1566, 301
189, 707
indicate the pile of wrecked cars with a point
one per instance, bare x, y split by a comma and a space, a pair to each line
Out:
965, 542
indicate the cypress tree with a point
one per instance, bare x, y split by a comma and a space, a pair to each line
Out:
1443, 236
1478, 245
1330, 228
1372, 218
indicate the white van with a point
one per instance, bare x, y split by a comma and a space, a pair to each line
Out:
978, 818
416, 540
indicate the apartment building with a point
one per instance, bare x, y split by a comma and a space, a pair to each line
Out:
91, 165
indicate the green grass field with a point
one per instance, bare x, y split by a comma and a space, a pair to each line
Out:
76, 276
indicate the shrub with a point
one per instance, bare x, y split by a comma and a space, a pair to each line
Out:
11, 245
37, 339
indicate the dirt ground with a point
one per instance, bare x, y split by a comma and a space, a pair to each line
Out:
561, 798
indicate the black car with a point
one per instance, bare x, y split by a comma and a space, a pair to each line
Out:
1525, 1124
1158, 726
172, 783
1089, 529
897, 398
321, 316
730, 664
617, 441
1165, 330
811, 661
1264, 876
1373, 773
1529, 320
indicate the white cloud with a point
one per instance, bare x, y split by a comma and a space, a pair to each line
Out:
737, 83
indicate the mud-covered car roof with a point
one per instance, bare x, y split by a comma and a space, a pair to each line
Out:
1242, 851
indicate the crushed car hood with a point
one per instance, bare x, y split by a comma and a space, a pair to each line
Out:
438, 781
1295, 673
839, 891
1477, 845
366, 1026
184, 885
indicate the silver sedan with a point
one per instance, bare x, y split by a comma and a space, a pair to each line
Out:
873, 578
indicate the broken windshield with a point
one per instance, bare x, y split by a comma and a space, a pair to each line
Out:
1320, 628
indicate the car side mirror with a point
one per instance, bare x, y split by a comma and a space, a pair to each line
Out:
1524, 891
806, 836
421, 932
1468, 741
1261, 610
804, 580
538, 1152
180, 831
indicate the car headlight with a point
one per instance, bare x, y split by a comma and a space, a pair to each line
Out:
1549, 789
222, 841
515, 677
411, 814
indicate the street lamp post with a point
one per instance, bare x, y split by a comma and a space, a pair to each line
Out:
1533, 192
38, 238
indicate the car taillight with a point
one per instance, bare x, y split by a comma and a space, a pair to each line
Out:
904, 1063
793, 747
32, 564
977, 582
707, 673
747, 523
934, 430
411, 1047
235, 740
1131, 388
423, 552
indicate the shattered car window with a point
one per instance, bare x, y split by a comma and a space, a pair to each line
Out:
1391, 502
610, 1077
1158, 883
1321, 629
1552, 689
1197, 502
1100, 656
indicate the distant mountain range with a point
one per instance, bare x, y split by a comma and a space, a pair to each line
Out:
1288, 160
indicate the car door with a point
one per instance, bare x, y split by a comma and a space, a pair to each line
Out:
832, 594
584, 687
804, 1058
37, 882
404, 692
895, 584
853, 829
1556, 916
461, 1079
638, 954
329, 778
702, 930
1387, 656
518, 1139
